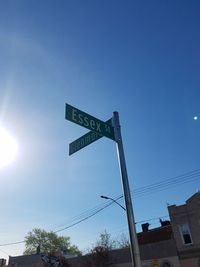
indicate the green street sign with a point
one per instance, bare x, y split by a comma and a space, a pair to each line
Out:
79, 117
85, 140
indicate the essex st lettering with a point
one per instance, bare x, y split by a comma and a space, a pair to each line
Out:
85, 121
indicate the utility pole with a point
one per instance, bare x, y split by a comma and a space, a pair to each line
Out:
135, 253
114, 133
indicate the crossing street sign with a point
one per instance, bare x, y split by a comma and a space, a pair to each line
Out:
83, 119
85, 140
98, 129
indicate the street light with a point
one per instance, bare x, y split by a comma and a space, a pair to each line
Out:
105, 197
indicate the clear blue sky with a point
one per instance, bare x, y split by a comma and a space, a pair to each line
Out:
140, 58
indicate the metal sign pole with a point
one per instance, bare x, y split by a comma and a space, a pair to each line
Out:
135, 254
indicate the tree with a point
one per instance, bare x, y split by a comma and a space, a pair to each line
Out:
48, 242
100, 251
100, 256
105, 240
123, 241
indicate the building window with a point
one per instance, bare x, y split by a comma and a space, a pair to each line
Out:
185, 233
166, 264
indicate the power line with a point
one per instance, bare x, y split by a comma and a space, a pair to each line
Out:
13, 243
164, 185
83, 214
153, 219
84, 219
180, 179
4, 252
155, 187
152, 188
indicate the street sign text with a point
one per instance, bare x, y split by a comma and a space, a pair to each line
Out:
79, 117
85, 140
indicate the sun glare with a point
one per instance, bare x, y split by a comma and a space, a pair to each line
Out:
8, 147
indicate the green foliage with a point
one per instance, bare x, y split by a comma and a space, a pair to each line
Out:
48, 242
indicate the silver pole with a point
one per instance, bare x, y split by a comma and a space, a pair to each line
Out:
134, 247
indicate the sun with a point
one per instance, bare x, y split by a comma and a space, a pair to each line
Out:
8, 147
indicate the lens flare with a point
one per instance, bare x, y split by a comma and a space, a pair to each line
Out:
8, 147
